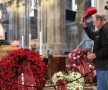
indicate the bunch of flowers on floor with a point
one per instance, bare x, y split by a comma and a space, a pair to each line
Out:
71, 81
24, 63
77, 61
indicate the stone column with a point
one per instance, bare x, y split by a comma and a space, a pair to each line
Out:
59, 37
51, 15
102, 8
25, 22
22, 22
2, 35
12, 32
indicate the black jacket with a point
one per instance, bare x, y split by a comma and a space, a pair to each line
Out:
100, 48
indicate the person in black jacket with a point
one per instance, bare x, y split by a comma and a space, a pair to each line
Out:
100, 49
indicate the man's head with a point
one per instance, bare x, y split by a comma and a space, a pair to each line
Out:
99, 20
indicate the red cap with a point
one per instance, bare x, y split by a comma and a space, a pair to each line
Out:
89, 12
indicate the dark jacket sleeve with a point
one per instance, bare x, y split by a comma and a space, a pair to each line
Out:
103, 51
89, 32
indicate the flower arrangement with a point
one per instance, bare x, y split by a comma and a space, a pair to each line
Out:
77, 61
79, 70
72, 81
24, 63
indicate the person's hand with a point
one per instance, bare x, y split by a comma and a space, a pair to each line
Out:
91, 56
84, 23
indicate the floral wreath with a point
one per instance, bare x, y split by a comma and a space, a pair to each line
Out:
77, 61
23, 63
72, 81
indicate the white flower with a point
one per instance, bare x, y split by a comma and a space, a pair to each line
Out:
57, 76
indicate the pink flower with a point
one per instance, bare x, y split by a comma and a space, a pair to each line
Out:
68, 65
79, 52
74, 58
73, 54
78, 56
69, 55
78, 67
74, 65
90, 66
94, 72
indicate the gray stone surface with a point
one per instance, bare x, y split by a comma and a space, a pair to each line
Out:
87, 87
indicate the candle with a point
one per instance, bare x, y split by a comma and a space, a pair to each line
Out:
40, 43
29, 41
22, 41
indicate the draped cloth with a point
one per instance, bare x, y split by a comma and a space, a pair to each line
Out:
27, 79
